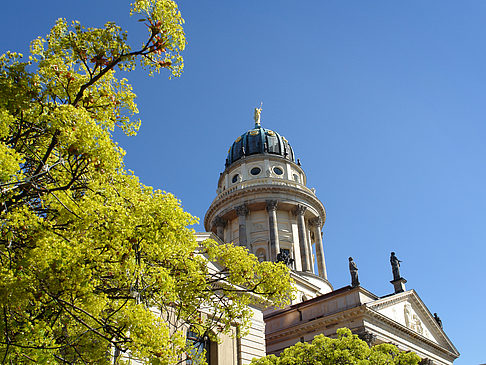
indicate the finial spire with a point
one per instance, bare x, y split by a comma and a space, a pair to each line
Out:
256, 116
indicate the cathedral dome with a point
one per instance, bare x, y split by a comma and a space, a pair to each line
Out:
259, 141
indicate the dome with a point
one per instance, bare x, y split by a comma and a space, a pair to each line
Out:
259, 141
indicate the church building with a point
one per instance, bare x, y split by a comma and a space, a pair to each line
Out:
263, 204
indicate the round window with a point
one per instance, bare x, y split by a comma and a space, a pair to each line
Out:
235, 178
278, 170
255, 171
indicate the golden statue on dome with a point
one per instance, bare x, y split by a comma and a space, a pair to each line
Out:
256, 116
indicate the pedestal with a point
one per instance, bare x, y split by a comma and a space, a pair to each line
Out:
399, 285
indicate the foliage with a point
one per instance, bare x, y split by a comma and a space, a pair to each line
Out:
346, 349
93, 264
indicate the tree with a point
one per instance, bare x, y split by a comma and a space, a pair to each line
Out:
93, 264
346, 349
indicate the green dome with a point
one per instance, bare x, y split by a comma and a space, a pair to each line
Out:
259, 141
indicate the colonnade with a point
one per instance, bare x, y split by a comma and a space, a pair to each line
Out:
305, 246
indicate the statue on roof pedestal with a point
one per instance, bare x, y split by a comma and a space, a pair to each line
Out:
395, 263
438, 320
256, 116
353, 270
398, 282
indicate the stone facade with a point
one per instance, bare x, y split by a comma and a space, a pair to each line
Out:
263, 204
401, 319
271, 213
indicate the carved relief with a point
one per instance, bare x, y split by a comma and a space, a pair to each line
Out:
408, 315
219, 222
272, 205
315, 222
299, 210
242, 210
417, 324
412, 320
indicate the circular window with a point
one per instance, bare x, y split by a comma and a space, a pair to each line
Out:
235, 178
255, 171
278, 170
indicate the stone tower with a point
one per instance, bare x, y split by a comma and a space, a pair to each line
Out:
263, 204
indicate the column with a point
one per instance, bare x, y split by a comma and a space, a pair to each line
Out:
304, 248
309, 245
316, 223
219, 223
242, 212
273, 227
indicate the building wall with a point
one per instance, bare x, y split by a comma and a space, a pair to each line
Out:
379, 320
253, 344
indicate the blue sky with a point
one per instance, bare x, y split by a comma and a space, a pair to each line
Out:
383, 102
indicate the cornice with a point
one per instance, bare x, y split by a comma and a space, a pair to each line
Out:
223, 198
315, 324
393, 299
422, 308
416, 336
260, 157
362, 311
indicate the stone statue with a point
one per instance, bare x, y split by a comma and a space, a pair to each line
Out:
417, 324
395, 263
256, 116
367, 337
438, 320
353, 270
284, 256
407, 315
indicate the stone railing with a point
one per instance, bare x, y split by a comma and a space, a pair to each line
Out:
265, 181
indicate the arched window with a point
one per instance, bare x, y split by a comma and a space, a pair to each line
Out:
201, 345
261, 254
198, 345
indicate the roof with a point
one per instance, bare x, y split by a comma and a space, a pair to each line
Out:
259, 141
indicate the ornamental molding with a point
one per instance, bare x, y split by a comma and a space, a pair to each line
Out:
219, 222
366, 315
414, 337
242, 210
272, 205
419, 307
388, 301
293, 193
315, 222
315, 324
299, 210
259, 157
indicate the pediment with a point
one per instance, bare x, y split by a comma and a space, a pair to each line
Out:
408, 310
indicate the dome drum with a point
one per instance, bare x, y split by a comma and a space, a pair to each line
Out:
264, 205
252, 170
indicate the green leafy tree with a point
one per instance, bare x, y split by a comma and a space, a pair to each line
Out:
346, 349
93, 264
